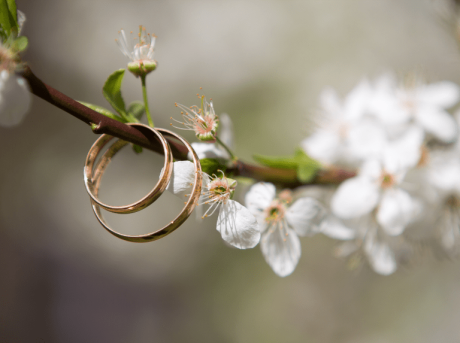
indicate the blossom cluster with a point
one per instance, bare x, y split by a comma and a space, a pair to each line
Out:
272, 219
403, 144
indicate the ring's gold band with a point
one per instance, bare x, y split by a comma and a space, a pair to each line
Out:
173, 225
90, 175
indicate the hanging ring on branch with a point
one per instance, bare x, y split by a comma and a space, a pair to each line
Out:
90, 176
180, 218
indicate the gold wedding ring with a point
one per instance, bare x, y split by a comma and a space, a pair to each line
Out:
173, 225
90, 175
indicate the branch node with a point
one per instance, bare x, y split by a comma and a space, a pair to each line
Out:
96, 128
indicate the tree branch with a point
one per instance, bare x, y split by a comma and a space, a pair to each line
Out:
282, 177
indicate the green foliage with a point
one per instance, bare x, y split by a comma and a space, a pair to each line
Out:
211, 166
282, 162
8, 19
136, 109
112, 92
104, 111
20, 44
137, 149
305, 166
13, 10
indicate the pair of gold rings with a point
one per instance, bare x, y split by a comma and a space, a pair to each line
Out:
93, 173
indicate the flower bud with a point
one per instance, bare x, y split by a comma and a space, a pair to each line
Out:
141, 68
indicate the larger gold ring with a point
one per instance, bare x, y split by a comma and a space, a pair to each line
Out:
90, 175
173, 225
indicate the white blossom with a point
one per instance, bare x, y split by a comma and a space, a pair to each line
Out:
378, 185
344, 132
15, 97
416, 103
213, 150
138, 47
371, 243
282, 223
443, 173
201, 120
236, 223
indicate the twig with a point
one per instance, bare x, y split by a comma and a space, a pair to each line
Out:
282, 177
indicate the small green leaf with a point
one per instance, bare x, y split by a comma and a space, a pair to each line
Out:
20, 44
103, 111
136, 109
137, 149
112, 92
13, 10
282, 162
307, 167
306, 172
301, 156
7, 22
211, 166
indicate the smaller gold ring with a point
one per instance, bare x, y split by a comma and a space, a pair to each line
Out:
173, 225
90, 176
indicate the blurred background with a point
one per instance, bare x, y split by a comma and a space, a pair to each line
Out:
264, 62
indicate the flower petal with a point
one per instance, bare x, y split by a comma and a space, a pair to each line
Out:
259, 196
15, 99
438, 122
355, 197
371, 170
405, 152
334, 228
182, 178
257, 199
444, 94
356, 102
384, 103
396, 210
305, 216
323, 146
281, 252
226, 130
208, 150
444, 172
380, 256
21, 21
237, 225
366, 139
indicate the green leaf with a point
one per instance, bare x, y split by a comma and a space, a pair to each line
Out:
112, 92
136, 109
307, 167
20, 44
211, 166
137, 149
103, 111
306, 172
8, 19
282, 162
13, 10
